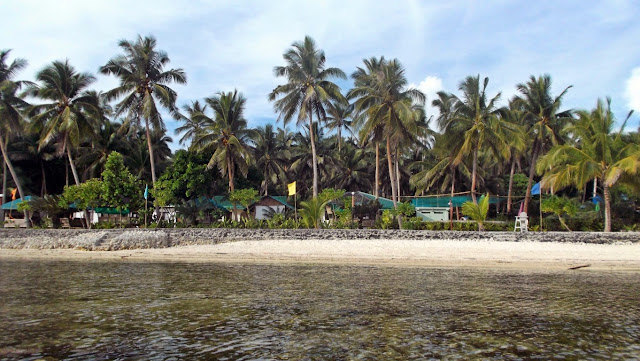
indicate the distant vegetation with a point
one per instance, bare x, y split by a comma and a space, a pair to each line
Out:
66, 142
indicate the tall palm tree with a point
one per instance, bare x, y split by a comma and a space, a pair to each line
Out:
144, 84
72, 112
367, 77
544, 121
270, 156
517, 142
352, 170
477, 117
10, 112
389, 105
601, 153
339, 112
226, 134
307, 91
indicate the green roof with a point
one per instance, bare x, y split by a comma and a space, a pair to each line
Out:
13, 205
443, 201
283, 200
224, 203
385, 202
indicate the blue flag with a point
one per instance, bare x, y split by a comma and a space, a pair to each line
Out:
535, 190
146, 191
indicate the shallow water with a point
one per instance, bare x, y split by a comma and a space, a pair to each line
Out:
171, 311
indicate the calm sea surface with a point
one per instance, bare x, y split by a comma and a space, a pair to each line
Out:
170, 311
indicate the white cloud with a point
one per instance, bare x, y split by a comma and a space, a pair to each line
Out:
430, 86
632, 92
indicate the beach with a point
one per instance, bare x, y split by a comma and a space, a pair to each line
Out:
466, 253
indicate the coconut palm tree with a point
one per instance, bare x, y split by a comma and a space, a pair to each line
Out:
389, 107
307, 92
192, 123
352, 169
226, 134
144, 86
544, 120
339, 112
600, 153
476, 117
72, 112
270, 156
10, 113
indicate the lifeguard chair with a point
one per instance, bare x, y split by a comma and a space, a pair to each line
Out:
522, 222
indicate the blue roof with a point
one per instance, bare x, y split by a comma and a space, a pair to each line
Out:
13, 205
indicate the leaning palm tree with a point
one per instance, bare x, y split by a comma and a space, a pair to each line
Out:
601, 153
226, 134
307, 91
543, 120
72, 112
10, 111
144, 84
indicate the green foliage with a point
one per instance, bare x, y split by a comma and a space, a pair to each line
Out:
477, 212
84, 195
121, 189
560, 206
312, 212
187, 177
413, 223
406, 209
519, 183
331, 194
387, 219
48, 205
244, 197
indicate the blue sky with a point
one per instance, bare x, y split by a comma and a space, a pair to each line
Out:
223, 45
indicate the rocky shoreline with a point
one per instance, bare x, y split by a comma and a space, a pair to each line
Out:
126, 239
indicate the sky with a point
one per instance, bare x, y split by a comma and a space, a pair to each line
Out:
226, 45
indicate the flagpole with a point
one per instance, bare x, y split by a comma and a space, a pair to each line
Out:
295, 205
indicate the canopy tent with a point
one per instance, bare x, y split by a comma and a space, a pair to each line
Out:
443, 201
13, 205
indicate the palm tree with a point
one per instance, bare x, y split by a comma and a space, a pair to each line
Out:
307, 91
600, 153
270, 156
477, 211
192, 123
226, 134
476, 116
10, 116
72, 113
144, 83
352, 170
518, 143
339, 112
367, 77
543, 120
389, 106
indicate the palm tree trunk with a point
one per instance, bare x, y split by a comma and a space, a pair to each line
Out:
532, 172
72, 165
474, 172
4, 190
314, 159
7, 162
394, 193
376, 187
511, 173
230, 173
607, 207
339, 139
43, 187
398, 174
266, 182
152, 160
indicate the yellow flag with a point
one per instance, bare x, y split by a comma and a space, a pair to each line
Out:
292, 188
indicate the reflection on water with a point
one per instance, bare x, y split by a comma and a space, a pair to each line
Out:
121, 310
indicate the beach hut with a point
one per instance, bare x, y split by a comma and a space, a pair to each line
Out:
11, 216
223, 203
269, 205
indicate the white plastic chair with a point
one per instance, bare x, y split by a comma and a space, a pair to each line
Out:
522, 222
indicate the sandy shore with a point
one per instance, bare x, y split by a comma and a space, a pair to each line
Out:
427, 253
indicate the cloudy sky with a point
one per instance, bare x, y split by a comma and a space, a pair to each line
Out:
222, 45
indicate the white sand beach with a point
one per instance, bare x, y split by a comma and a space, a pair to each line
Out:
427, 253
